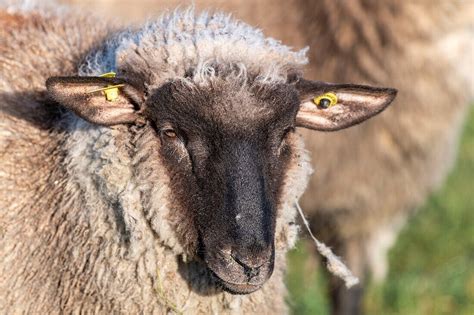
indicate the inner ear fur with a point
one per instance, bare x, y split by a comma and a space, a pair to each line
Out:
355, 103
82, 95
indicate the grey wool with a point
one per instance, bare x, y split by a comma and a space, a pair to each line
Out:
183, 42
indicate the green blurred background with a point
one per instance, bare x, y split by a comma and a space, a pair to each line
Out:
431, 265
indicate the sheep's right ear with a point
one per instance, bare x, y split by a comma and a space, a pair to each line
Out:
92, 99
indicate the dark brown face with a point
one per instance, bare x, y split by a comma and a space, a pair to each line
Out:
226, 154
226, 150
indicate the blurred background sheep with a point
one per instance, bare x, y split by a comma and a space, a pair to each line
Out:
369, 179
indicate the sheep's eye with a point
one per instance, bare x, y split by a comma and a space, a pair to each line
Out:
169, 133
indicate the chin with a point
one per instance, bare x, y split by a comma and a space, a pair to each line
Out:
239, 288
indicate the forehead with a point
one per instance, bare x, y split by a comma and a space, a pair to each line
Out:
223, 105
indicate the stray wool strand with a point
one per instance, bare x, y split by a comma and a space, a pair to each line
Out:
334, 263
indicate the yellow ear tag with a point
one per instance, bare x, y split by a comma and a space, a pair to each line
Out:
325, 100
110, 74
111, 92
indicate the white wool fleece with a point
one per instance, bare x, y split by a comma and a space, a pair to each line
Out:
184, 45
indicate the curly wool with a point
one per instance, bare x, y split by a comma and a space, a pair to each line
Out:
197, 48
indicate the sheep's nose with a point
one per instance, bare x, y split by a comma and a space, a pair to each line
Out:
251, 266
250, 270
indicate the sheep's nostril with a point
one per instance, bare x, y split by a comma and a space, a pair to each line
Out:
249, 270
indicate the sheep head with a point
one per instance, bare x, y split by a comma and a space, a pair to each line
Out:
227, 149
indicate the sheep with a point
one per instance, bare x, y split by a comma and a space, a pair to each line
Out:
154, 169
369, 179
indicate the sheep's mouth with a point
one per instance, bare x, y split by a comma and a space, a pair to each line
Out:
237, 278
238, 288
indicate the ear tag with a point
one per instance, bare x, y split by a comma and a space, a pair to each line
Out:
112, 91
111, 94
325, 100
110, 74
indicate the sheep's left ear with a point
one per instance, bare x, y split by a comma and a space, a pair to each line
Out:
100, 100
328, 107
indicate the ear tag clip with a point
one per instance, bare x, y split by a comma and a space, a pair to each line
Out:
325, 100
111, 94
112, 91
